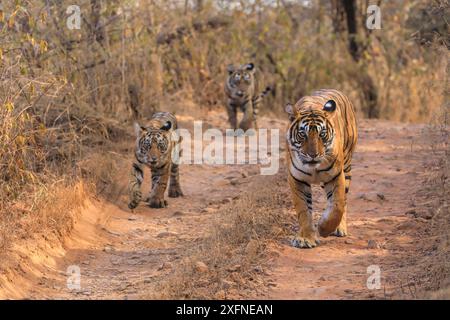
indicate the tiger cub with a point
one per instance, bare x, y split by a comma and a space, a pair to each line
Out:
321, 138
155, 149
241, 90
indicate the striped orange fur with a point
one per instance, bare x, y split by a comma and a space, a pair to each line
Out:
321, 138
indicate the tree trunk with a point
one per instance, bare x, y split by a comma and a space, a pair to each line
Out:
348, 9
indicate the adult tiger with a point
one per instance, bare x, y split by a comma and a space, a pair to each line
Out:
321, 138
241, 90
155, 148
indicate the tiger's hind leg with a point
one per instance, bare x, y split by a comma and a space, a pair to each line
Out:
341, 230
333, 217
174, 186
137, 176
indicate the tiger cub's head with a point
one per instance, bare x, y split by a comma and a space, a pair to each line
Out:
153, 144
311, 134
241, 80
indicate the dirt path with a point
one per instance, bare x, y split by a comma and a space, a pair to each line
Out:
123, 254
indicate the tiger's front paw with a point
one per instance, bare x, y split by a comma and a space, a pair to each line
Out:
157, 203
136, 198
305, 243
175, 192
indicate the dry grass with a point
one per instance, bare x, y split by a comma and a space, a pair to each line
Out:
439, 186
231, 259
64, 96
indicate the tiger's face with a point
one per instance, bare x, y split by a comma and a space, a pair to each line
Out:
311, 135
241, 80
153, 145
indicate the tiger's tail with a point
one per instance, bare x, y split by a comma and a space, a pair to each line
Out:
257, 100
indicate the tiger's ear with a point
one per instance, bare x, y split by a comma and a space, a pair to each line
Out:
289, 108
250, 66
167, 126
230, 69
329, 106
138, 129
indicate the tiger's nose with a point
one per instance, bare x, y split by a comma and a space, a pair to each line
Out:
153, 159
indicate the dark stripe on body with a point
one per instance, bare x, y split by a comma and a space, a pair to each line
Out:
334, 178
300, 181
329, 168
297, 168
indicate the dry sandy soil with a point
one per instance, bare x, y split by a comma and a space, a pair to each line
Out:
123, 254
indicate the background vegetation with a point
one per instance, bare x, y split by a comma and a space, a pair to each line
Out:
65, 94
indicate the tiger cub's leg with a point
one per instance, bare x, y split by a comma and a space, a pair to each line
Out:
247, 119
160, 178
307, 237
174, 186
333, 216
232, 115
341, 230
137, 176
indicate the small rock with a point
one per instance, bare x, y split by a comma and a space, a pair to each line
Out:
411, 212
234, 182
348, 241
371, 196
178, 213
166, 234
407, 225
372, 244
165, 266
226, 200
201, 267
244, 175
86, 263
258, 269
108, 249
132, 218
428, 215
207, 210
